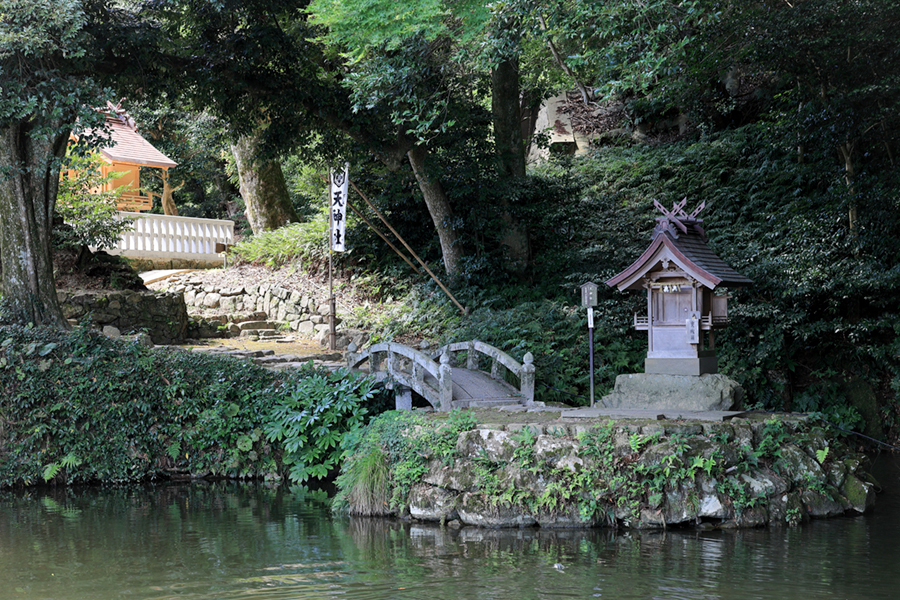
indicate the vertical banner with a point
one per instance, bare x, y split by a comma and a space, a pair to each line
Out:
339, 186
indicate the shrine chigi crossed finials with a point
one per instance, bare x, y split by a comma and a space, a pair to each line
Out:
681, 275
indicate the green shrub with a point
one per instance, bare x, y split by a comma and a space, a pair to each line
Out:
90, 216
312, 415
304, 242
79, 407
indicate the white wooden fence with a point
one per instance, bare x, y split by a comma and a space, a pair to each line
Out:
162, 236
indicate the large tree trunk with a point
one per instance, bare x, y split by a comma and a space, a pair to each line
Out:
439, 208
507, 117
262, 187
27, 202
167, 199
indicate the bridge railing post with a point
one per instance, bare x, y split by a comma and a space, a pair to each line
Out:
351, 355
445, 382
472, 357
526, 379
402, 397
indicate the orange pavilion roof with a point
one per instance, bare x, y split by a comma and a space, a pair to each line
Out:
128, 146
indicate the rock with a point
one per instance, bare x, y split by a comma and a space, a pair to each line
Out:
677, 392
475, 509
566, 518
496, 446
458, 477
756, 516
801, 467
211, 300
110, 331
860, 495
345, 336
765, 484
429, 503
561, 452
820, 505
711, 507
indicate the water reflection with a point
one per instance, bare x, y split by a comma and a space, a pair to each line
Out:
250, 541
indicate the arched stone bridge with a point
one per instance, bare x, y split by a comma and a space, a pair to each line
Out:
444, 380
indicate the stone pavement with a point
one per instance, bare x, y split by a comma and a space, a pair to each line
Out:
159, 275
652, 413
602, 413
276, 362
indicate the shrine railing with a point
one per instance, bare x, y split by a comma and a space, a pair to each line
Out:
164, 236
706, 322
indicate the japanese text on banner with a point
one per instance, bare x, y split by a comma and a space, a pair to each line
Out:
338, 208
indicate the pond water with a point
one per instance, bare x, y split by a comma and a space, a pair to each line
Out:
228, 540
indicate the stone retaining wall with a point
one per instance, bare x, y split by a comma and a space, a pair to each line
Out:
303, 313
163, 316
650, 474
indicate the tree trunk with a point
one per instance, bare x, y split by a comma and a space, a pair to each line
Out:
507, 117
27, 202
166, 199
262, 187
439, 208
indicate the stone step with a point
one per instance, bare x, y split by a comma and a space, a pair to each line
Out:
255, 325
493, 403
271, 334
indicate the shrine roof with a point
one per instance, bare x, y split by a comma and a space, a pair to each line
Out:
129, 147
683, 241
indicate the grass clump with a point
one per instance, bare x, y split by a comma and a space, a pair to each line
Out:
382, 461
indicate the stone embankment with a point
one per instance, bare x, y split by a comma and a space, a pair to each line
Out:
163, 316
643, 474
297, 311
258, 310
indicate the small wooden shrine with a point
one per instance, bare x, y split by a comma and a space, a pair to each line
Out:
681, 275
127, 153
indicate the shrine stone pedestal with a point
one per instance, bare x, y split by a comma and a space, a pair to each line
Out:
675, 392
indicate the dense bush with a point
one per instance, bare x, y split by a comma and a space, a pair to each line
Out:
79, 407
818, 329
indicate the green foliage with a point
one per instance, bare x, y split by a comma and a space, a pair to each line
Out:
90, 215
406, 443
306, 243
80, 407
311, 417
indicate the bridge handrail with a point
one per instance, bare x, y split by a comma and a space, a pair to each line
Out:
524, 370
440, 398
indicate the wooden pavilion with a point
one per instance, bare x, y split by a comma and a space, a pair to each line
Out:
129, 152
681, 275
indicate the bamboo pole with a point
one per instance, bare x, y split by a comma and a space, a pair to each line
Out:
411, 251
387, 241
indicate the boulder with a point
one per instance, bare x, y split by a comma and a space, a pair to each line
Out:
674, 392
475, 509
429, 503
495, 446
